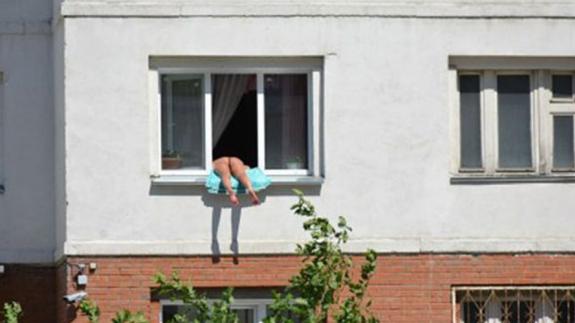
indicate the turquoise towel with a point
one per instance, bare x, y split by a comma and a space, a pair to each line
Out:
259, 182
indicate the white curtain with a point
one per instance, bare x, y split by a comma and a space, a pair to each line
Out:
228, 90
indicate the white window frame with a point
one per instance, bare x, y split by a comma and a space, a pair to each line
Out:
258, 305
312, 67
543, 108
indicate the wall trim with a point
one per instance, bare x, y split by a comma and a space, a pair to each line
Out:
399, 245
412, 9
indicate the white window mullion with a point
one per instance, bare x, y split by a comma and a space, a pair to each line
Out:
313, 123
261, 312
261, 121
489, 122
208, 120
545, 128
534, 79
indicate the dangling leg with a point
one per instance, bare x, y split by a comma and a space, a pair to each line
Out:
239, 171
222, 167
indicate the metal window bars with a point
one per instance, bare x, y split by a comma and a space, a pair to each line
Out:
514, 304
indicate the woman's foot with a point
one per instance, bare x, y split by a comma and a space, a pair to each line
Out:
234, 199
254, 197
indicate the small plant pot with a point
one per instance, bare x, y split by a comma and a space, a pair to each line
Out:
294, 165
171, 163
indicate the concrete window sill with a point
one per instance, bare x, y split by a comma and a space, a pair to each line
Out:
511, 179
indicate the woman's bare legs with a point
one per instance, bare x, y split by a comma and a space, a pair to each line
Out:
223, 167
239, 172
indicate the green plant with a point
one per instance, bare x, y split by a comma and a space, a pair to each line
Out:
12, 312
324, 288
315, 293
90, 309
219, 311
125, 316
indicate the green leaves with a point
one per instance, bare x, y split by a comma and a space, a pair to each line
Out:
325, 276
90, 309
12, 312
219, 311
324, 287
125, 316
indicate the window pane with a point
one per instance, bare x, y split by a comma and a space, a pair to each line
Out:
563, 142
245, 315
170, 312
562, 86
514, 113
470, 120
286, 121
183, 122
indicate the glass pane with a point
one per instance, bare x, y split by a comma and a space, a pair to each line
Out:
245, 315
183, 122
563, 142
470, 120
514, 113
286, 121
562, 86
172, 312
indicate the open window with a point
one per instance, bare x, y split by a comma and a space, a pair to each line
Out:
264, 111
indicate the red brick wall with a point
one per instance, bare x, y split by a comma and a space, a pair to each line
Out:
34, 288
406, 288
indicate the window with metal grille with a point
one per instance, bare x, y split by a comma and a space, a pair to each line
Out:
514, 304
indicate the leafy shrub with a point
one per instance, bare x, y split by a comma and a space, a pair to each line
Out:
12, 312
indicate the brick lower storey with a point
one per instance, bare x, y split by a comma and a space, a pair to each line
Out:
405, 288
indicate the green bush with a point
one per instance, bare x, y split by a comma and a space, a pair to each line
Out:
316, 293
12, 312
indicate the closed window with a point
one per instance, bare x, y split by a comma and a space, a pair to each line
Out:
514, 123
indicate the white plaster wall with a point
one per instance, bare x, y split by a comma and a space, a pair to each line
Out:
27, 207
386, 137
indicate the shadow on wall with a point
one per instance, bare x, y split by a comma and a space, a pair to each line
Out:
220, 204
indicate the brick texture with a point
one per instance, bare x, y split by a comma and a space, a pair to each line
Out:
34, 288
406, 288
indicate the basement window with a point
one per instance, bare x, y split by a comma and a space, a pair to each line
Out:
514, 304
264, 112
251, 305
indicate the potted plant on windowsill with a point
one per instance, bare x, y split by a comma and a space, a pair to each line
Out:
295, 163
171, 160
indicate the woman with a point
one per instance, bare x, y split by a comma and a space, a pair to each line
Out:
228, 166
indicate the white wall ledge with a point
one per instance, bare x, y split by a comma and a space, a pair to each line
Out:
188, 180
511, 179
399, 245
426, 9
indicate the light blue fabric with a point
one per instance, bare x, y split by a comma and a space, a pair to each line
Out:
259, 182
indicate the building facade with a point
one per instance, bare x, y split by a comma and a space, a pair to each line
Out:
443, 131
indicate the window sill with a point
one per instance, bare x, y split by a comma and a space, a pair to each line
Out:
511, 179
190, 180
